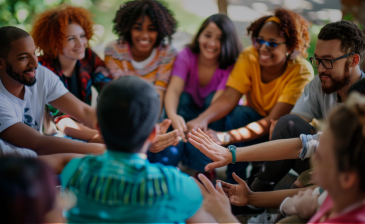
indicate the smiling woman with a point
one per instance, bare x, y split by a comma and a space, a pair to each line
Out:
62, 34
272, 73
142, 27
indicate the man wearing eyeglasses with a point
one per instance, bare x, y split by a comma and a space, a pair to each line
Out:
339, 52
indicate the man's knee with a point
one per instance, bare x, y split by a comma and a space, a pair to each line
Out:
290, 126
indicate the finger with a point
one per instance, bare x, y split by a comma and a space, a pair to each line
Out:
196, 137
226, 190
226, 185
201, 148
185, 127
238, 179
164, 125
207, 184
202, 188
182, 133
213, 165
204, 136
219, 188
308, 192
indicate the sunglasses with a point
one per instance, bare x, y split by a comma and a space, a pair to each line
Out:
269, 44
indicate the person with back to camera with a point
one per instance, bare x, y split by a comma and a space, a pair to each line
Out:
121, 185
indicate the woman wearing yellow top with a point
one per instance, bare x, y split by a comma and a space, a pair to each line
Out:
272, 73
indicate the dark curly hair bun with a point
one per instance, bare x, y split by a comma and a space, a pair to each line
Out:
162, 18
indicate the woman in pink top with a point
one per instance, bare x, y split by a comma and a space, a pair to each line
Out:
201, 71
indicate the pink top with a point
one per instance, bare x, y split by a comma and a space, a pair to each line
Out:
353, 214
186, 67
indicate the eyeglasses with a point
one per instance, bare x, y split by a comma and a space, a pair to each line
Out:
327, 63
269, 44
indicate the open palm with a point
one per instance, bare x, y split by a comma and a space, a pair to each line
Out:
237, 193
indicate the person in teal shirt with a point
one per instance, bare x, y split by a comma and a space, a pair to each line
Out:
121, 185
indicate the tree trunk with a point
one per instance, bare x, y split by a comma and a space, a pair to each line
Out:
222, 6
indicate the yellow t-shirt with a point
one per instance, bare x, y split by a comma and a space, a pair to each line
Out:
246, 78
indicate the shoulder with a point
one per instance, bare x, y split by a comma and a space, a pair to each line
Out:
250, 54
303, 65
167, 51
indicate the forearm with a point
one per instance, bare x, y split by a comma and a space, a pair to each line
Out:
58, 161
220, 108
270, 151
51, 145
271, 199
171, 103
89, 119
76, 130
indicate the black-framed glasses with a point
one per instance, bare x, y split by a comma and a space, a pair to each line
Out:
327, 63
258, 42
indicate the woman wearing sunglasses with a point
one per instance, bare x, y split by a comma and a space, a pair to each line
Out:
271, 73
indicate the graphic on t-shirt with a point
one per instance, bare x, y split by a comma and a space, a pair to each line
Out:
28, 120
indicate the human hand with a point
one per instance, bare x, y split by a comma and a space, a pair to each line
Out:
164, 140
215, 136
220, 155
272, 126
215, 201
163, 126
237, 193
96, 139
178, 123
197, 123
305, 203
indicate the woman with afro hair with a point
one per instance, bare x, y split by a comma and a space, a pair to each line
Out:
62, 36
272, 74
143, 27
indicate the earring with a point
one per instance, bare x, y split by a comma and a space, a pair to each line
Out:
287, 54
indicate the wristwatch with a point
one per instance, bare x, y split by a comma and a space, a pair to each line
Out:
232, 149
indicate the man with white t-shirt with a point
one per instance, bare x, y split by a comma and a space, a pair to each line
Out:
25, 89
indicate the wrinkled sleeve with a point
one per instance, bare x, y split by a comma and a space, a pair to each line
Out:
294, 88
100, 75
165, 68
240, 77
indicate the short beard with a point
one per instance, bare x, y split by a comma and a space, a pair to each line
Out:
338, 84
18, 76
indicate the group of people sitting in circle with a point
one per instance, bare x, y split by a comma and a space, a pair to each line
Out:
158, 107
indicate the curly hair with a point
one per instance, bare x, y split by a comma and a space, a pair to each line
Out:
351, 37
49, 29
294, 23
162, 18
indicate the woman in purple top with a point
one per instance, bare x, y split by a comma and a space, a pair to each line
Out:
201, 70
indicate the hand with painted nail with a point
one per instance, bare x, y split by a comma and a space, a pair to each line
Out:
216, 202
237, 193
220, 155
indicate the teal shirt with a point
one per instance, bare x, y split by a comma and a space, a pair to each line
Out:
125, 188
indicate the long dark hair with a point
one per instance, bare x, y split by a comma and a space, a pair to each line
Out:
230, 43
28, 190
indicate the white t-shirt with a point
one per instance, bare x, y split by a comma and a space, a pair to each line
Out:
30, 111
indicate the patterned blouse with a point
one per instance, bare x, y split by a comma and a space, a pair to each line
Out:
118, 60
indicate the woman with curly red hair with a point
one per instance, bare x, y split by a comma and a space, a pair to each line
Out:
62, 36
272, 73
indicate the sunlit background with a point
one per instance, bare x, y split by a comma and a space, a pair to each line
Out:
190, 14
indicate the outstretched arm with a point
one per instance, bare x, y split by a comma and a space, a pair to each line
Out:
58, 161
267, 151
77, 109
45, 145
241, 195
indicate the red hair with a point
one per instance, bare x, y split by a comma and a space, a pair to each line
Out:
49, 29
294, 23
